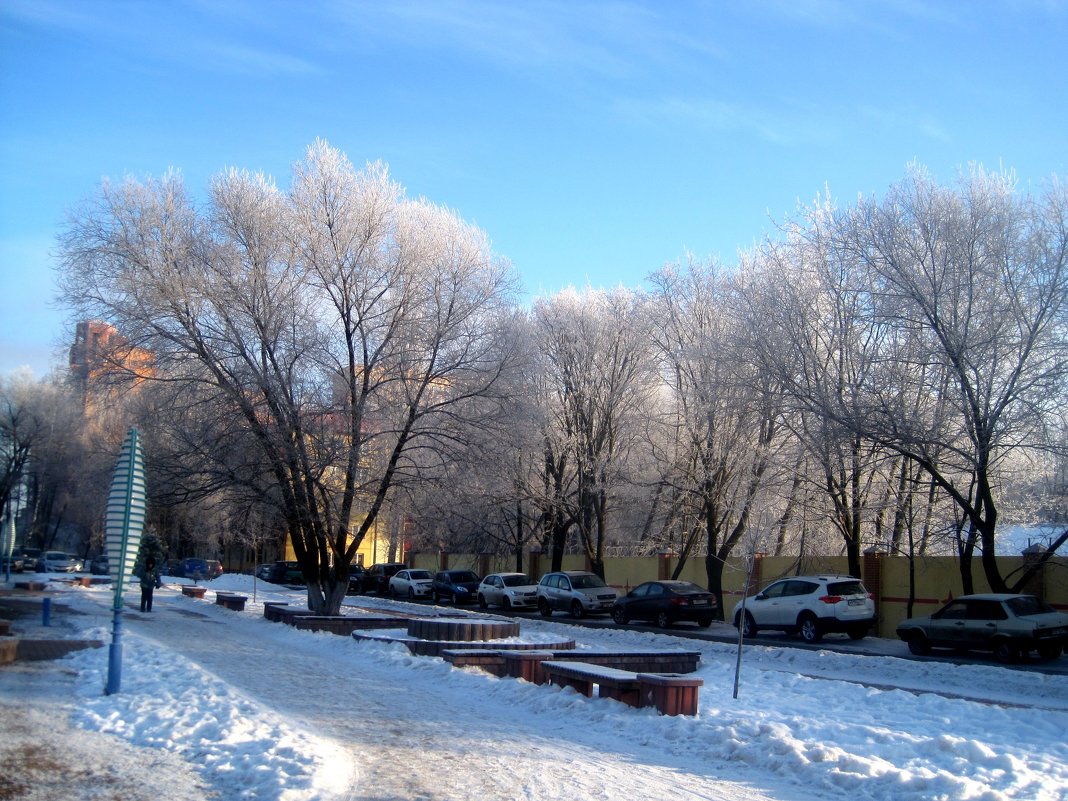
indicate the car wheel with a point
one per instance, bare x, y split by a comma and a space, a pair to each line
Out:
663, 620
704, 622
918, 644
482, 601
436, 598
411, 594
809, 629
1051, 651
1005, 652
577, 611
858, 633
619, 614
543, 607
506, 604
749, 626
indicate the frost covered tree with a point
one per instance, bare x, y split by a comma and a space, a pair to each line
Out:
597, 372
724, 415
329, 338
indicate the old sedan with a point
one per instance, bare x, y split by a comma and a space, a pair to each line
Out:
1008, 625
411, 584
666, 602
508, 590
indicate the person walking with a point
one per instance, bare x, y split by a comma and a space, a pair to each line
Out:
150, 579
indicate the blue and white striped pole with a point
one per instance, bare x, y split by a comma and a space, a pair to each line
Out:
124, 523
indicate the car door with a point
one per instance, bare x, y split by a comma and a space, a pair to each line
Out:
796, 598
981, 624
766, 606
638, 602
947, 625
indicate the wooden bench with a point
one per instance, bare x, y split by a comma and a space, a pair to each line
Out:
193, 591
231, 601
621, 685
527, 664
670, 694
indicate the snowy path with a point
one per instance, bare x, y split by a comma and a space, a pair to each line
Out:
422, 739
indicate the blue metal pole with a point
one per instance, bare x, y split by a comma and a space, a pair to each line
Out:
46, 612
115, 654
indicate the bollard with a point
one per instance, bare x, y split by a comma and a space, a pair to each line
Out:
46, 612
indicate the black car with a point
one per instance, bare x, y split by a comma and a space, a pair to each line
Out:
282, 572
99, 565
357, 577
458, 586
666, 602
377, 578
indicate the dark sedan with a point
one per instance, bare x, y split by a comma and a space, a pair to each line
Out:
666, 602
1009, 626
458, 586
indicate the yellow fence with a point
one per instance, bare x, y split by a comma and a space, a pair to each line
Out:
937, 579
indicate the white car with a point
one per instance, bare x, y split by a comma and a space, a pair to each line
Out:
810, 606
411, 584
59, 562
508, 590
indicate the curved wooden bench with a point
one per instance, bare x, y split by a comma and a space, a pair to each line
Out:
193, 591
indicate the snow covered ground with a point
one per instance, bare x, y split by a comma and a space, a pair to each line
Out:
230, 706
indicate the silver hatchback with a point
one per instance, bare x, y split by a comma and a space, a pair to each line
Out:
576, 591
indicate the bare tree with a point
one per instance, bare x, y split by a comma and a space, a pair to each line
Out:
980, 273
598, 372
333, 334
725, 412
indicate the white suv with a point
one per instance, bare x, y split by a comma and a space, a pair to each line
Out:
574, 591
810, 606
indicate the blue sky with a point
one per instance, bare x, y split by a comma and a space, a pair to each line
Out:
593, 141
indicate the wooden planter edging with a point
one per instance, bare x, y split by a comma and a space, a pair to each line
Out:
231, 601
670, 694
193, 591
272, 610
527, 664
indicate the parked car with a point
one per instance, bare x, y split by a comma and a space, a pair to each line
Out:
357, 577
13, 563
263, 572
215, 568
666, 602
458, 586
379, 575
99, 565
283, 572
574, 591
411, 584
508, 590
31, 560
192, 568
60, 562
810, 606
1010, 626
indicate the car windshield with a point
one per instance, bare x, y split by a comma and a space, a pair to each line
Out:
419, 574
1027, 605
517, 581
586, 582
466, 575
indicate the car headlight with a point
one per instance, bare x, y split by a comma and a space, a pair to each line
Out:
462, 590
